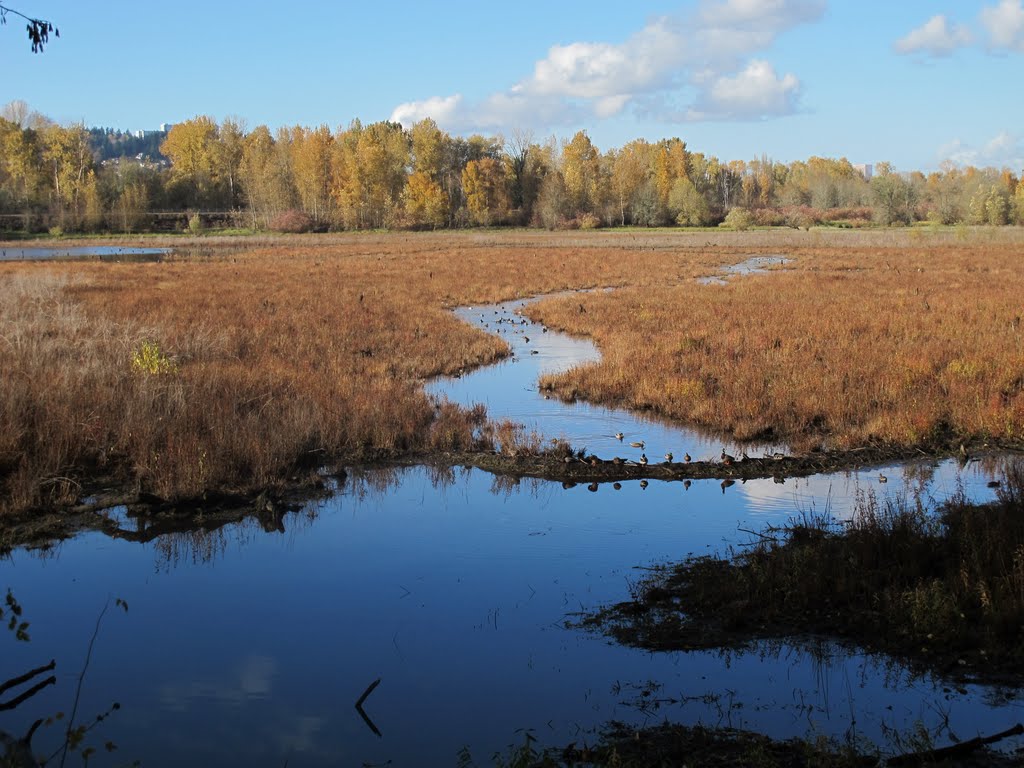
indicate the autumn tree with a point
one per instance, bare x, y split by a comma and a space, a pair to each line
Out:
312, 150
687, 206
370, 173
894, 196
21, 166
67, 155
265, 176
227, 158
486, 187
581, 171
192, 148
425, 203
631, 168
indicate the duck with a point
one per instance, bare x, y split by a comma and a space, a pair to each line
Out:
727, 459
668, 457
643, 459
619, 436
686, 458
883, 479
637, 445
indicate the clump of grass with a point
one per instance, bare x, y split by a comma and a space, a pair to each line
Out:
945, 587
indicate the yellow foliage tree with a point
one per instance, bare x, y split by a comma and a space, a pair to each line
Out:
425, 202
581, 169
486, 186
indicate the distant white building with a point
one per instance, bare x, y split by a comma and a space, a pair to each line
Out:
166, 127
867, 170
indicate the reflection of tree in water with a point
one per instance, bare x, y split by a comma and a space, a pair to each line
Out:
829, 660
18, 751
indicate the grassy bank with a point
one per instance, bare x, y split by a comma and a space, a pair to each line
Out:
943, 588
261, 359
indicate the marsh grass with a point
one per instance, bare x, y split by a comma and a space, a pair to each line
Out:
250, 368
276, 356
944, 587
841, 348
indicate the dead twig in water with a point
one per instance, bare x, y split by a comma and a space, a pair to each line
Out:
362, 713
16, 681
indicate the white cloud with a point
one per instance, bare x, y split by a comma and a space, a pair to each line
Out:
672, 57
442, 109
1004, 150
1005, 24
1002, 25
935, 37
756, 92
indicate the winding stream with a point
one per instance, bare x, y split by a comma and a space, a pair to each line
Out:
249, 646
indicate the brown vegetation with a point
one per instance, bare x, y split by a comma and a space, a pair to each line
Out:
921, 346
945, 589
260, 360
244, 370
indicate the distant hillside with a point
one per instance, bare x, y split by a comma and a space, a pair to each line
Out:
109, 143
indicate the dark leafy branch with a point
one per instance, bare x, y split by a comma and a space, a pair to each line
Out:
39, 30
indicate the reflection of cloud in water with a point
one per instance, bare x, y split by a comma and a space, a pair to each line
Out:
251, 680
248, 691
931, 481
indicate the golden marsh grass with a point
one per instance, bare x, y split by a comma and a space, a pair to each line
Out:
269, 357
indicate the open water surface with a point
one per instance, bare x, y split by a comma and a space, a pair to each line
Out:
250, 646
100, 252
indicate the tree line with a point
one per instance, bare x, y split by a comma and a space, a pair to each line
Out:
381, 175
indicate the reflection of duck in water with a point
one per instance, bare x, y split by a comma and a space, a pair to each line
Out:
726, 484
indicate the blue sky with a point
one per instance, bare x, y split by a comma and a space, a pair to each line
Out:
914, 82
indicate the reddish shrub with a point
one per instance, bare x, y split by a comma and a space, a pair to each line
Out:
292, 221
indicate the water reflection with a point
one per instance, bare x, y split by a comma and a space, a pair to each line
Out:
450, 586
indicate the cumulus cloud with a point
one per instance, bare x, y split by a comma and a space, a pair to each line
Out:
1001, 26
703, 57
935, 37
442, 109
1004, 150
755, 93
1005, 24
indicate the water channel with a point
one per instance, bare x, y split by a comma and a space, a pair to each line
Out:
243, 646
98, 252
